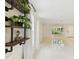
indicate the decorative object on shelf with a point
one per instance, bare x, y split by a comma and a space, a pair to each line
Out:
18, 33
57, 30
18, 36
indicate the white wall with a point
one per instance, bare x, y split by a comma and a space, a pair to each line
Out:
46, 34
16, 54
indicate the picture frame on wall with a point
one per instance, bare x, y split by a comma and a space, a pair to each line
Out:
57, 30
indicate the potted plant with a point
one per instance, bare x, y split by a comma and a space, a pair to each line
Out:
15, 21
21, 21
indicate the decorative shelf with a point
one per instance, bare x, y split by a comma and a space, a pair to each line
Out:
7, 26
15, 42
14, 26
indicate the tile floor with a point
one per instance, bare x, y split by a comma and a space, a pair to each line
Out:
48, 51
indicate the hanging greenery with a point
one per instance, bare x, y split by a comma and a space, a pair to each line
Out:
24, 5
21, 20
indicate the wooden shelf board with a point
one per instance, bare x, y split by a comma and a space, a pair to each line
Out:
7, 26
14, 26
15, 42
18, 27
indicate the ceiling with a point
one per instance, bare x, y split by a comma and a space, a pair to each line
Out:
55, 10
